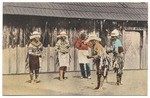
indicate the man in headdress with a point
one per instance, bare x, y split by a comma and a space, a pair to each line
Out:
35, 52
118, 55
117, 42
99, 54
63, 48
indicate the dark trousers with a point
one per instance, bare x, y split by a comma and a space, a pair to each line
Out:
85, 70
119, 76
119, 72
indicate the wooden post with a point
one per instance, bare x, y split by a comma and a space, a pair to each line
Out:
141, 48
16, 57
26, 51
48, 58
54, 55
101, 26
94, 26
75, 53
146, 49
9, 58
144, 52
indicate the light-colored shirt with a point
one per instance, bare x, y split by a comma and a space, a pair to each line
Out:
116, 45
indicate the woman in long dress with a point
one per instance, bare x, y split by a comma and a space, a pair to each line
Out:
63, 48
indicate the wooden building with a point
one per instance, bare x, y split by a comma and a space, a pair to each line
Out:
20, 19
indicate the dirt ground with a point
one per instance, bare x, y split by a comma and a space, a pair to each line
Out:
134, 83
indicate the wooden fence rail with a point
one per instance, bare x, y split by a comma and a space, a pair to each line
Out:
14, 60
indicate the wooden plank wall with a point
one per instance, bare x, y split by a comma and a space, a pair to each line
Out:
14, 59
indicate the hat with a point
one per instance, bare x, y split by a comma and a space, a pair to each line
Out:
93, 37
62, 34
115, 33
35, 34
81, 32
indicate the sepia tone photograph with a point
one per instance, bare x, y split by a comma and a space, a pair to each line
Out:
75, 48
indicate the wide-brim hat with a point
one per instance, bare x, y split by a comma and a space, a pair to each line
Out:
35, 34
115, 33
92, 37
81, 32
62, 34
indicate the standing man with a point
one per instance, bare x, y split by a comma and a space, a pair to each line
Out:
35, 52
117, 42
63, 48
99, 54
82, 56
118, 55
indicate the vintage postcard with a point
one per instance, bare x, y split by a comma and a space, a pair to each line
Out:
75, 48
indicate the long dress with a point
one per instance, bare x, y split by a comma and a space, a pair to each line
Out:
63, 53
33, 59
